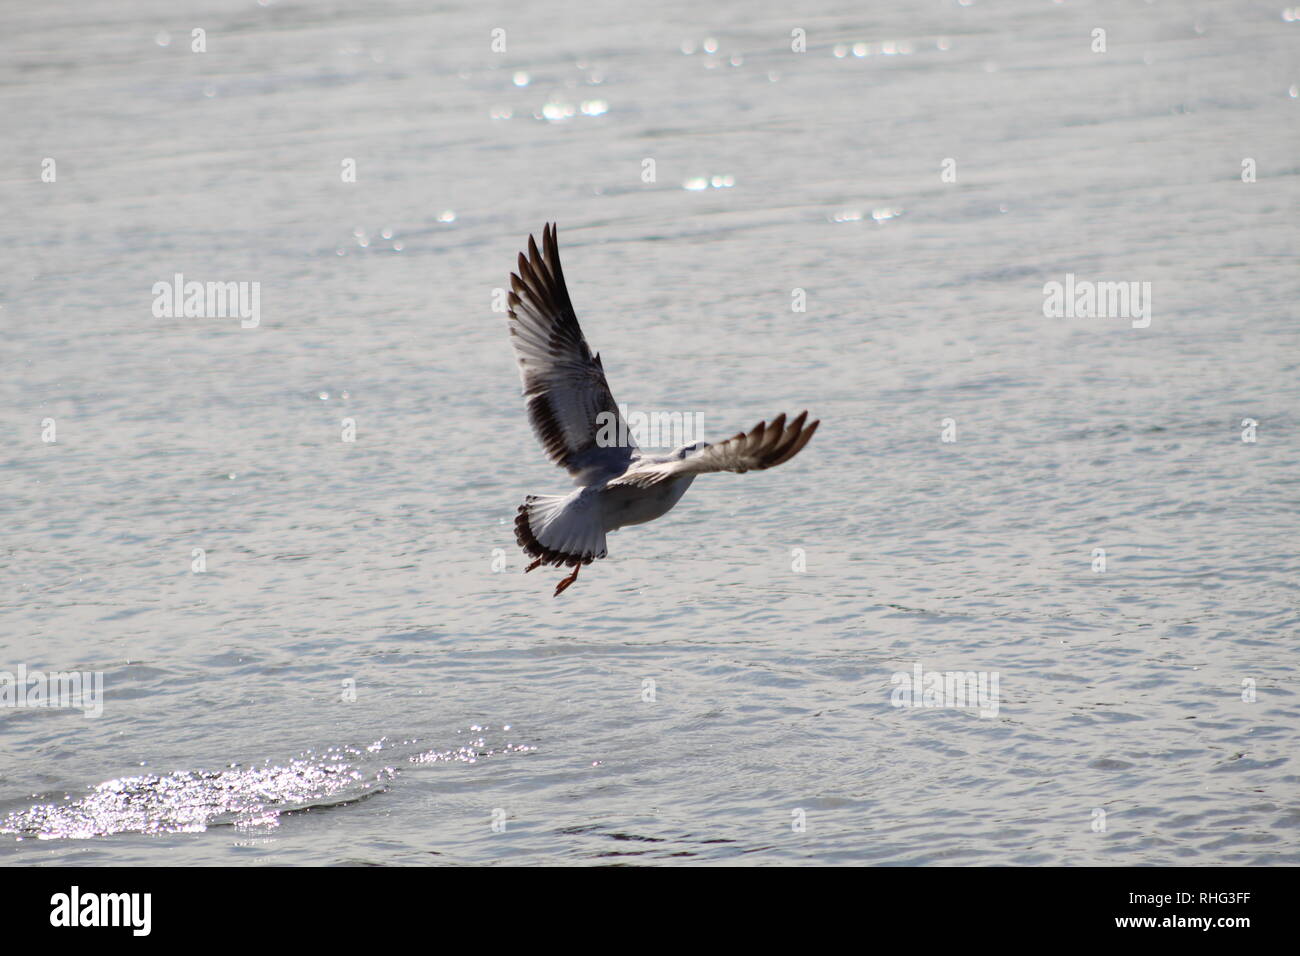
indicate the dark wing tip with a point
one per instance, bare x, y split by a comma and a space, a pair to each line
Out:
796, 436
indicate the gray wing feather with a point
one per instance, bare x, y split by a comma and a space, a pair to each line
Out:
564, 383
763, 446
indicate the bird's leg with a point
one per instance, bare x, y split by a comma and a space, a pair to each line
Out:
569, 580
533, 565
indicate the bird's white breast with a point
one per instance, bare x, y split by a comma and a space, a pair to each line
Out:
623, 505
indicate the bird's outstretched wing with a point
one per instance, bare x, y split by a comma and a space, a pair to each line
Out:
763, 446
563, 381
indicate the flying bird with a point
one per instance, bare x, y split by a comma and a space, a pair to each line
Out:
569, 401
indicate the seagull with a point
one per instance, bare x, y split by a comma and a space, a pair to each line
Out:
569, 401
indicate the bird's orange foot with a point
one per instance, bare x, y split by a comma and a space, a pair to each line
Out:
533, 565
569, 580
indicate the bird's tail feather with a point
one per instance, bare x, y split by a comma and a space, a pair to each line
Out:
561, 529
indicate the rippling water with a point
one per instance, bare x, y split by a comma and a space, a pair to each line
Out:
354, 679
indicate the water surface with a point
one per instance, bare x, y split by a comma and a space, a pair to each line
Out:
769, 611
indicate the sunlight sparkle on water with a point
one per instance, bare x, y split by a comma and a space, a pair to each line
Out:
699, 183
191, 801
556, 111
